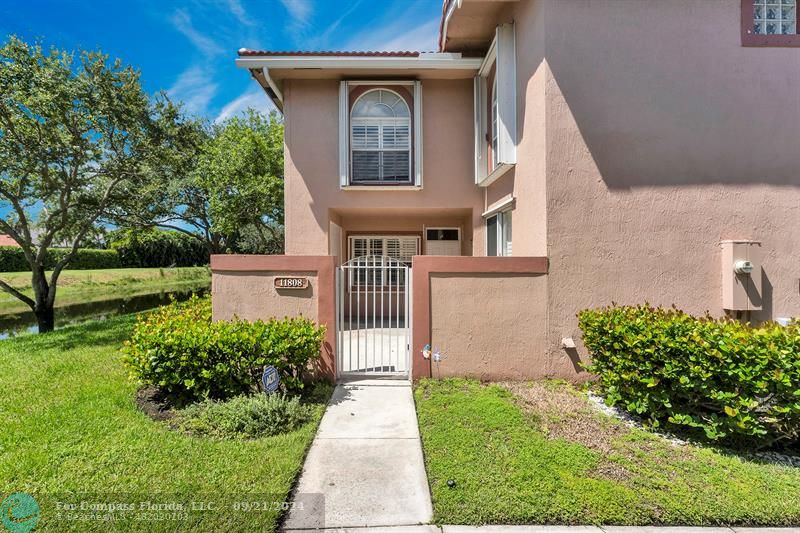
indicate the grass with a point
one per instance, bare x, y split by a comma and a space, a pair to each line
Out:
538, 454
71, 431
80, 286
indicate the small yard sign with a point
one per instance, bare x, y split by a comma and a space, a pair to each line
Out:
271, 379
291, 283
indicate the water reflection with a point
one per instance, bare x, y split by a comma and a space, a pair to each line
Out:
14, 324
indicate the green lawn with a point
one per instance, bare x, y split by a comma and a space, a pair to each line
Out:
541, 455
79, 286
70, 427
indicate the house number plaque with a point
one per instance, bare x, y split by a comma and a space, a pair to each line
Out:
291, 283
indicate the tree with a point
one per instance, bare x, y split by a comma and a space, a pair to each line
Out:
235, 188
78, 140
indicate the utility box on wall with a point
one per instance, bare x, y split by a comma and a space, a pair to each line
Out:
741, 275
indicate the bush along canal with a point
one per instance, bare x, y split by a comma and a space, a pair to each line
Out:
13, 324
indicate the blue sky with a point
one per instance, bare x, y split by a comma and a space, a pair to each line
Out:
188, 47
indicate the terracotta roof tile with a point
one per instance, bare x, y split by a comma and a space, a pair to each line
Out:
347, 53
5, 240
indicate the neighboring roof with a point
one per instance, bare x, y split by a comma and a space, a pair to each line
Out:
5, 240
347, 53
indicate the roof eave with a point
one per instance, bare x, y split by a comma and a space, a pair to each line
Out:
423, 61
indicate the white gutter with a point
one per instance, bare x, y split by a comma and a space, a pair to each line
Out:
423, 61
436, 61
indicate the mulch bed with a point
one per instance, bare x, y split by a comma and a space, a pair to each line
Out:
153, 403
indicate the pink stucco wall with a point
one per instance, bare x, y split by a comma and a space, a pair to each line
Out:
313, 196
664, 136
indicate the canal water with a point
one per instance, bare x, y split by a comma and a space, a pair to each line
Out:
15, 324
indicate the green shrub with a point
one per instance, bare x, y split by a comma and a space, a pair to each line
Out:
245, 417
719, 379
156, 248
178, 349
13, 260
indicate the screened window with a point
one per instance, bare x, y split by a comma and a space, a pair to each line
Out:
380, 139
775, 17
498, 234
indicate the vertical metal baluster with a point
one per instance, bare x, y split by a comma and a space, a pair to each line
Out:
397, 337
358, 314
374, 287
382, 335
337, 280
408, 320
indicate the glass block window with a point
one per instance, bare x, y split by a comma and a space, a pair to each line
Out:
380, 139
775, 17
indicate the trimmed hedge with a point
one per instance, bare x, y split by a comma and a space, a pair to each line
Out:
13, 260
158, 249
719, 379
178, 349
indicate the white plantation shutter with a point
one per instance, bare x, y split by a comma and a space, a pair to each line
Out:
380, 138
401, 248
506, 95
495, 107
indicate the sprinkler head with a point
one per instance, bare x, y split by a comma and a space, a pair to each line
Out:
451, 483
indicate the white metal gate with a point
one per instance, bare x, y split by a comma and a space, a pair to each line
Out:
373, 316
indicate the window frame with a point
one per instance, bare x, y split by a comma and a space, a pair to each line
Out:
382, 272
499, 66
751, 39
415, 132
504, 221
381, 123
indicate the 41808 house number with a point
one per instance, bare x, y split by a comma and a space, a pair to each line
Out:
291, 283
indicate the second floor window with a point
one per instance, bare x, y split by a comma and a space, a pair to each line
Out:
380, 139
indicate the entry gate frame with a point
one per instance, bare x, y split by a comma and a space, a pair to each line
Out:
367, 268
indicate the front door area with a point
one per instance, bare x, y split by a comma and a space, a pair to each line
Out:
373, 332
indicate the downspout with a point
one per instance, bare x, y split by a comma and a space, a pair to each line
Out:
268, 84
451, 7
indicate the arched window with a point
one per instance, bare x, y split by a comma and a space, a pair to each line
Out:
380, 138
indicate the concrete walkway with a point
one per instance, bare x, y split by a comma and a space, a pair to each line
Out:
365, 466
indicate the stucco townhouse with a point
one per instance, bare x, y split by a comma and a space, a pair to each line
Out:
456, 208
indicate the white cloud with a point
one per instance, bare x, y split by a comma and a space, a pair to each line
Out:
299, 10
236, 8
252, 98
195, 88
182, 22
322, 39
398, 36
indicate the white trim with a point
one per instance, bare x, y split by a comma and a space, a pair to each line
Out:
479, 127
506, 76
489, 59
423, 61
501, 222
379, 188
418, 134
356, 83
495, 174
344, 134
504, 204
